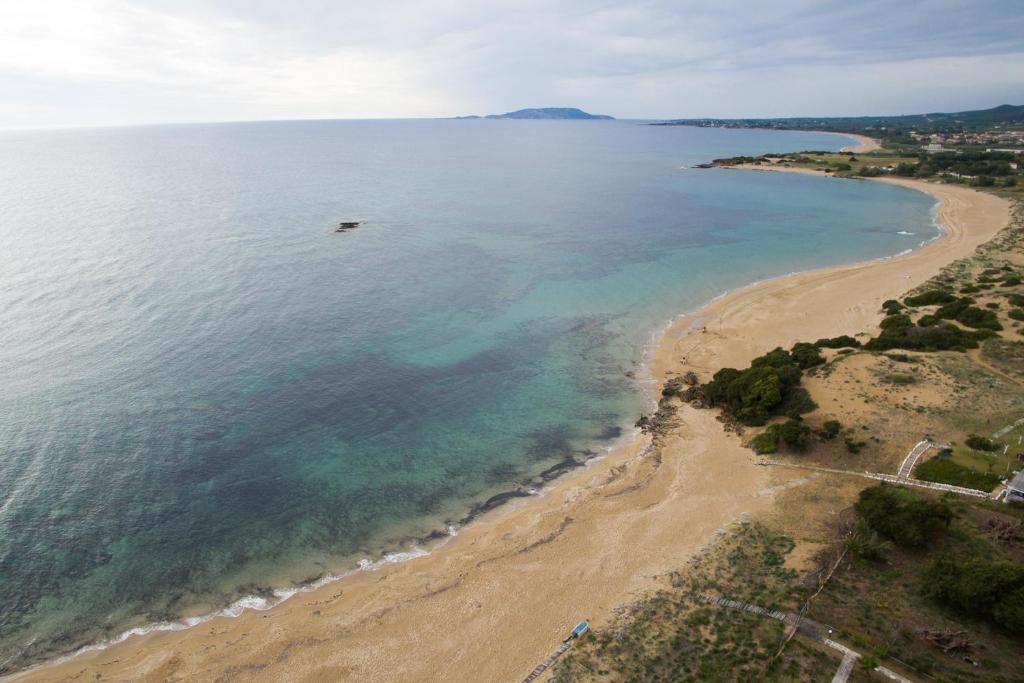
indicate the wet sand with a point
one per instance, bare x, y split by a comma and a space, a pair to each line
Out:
498, 598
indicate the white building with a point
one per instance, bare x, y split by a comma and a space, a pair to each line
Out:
1015, 489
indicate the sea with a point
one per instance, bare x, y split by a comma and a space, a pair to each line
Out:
210, 399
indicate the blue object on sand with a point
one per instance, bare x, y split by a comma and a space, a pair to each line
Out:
580, 629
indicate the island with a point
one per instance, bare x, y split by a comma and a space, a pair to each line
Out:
566, 113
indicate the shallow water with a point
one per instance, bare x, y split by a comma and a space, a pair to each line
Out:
206, 390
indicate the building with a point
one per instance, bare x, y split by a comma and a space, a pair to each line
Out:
1015, 489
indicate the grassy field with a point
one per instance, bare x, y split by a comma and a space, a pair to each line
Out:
950, 470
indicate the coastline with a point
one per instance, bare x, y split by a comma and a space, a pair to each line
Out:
505, 591
864, 143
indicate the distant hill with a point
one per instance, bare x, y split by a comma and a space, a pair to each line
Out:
546, 113
1004, 116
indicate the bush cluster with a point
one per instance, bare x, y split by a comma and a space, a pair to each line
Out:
900, 332
981, 443
891, 306
840, 342
964, 312
929, 298
904, 517
770, 386
990, 590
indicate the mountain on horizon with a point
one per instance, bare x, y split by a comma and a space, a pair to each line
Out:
570, 113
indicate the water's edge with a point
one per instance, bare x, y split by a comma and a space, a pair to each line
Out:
415, 547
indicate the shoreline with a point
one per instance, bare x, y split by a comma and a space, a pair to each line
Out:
588, 542
864, 143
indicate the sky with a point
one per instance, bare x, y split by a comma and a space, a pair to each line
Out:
115, 62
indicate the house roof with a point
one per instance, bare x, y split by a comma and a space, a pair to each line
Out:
1017, 483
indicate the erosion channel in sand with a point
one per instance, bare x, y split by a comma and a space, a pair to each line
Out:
499, 597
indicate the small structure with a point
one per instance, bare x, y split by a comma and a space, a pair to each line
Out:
578, 631
1015, 489
345, 226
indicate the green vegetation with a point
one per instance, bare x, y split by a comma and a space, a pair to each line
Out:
830, 429
770, 386
981, 443
944, 470
929, 298
964, 312
840, 342
766, 442
904, 517
894, 130
899, 332
793, 433
892, 307
989, 590
806, 355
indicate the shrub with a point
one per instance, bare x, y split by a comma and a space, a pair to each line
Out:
1015, 299
840, 342
928, 320
981, 443
796, 402
892, 307
978, 318
991, 590
794, 434
904, 517
766, 388
766, 442
806, 355
1016, 313
1011, 281
940, 337
969, 289
897, 321
930, 298
830, 430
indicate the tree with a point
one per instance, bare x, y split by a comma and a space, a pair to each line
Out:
903, 517
794, 434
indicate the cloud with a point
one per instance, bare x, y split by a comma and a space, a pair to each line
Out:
112, 61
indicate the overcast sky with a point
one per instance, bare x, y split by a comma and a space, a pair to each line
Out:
103, 62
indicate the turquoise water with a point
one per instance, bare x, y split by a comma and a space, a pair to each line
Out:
206, 392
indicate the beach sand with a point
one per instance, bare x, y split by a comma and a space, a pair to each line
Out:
497, 599
864, 144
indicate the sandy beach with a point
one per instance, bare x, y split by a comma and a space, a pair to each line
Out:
864, 144
499, 597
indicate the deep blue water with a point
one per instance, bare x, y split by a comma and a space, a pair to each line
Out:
206, 391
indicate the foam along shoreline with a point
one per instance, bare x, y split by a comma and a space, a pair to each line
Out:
502, 593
